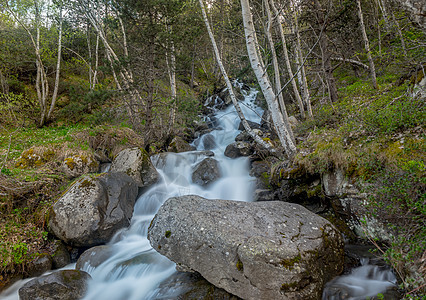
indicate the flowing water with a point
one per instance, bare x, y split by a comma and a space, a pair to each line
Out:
134, 270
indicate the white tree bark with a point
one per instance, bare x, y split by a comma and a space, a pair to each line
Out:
58, 66
367, 46
277, 71
171, 68
263, 80
229, 85
301, 66
287, 59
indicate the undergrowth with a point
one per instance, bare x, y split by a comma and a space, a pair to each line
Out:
377, 138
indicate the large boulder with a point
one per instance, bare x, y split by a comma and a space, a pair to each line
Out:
206, 171
93, 209
257, 250
78, 164
136, 163
60, 285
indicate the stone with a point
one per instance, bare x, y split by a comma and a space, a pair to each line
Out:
253, 125
61, 257
254, 250
238, 149
178, 144
79, 164
208, 142
93, 209
41, 264
207, 171
136, 163
59, 285
93, 257
190, 286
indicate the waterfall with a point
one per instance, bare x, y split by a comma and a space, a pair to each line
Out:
135, 270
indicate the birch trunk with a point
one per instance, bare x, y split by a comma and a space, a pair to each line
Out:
367, 46
171, 68
277, 71
287, 60
301, 66
58, 67
263, 80
326, 55
229, 85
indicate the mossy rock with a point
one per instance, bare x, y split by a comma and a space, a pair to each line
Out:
79, 164
35, 157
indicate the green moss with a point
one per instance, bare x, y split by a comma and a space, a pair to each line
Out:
289, 263
289, 286
168, 234
86, 183
69, 161
240, 266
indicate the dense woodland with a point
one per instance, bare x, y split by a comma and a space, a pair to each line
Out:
88, 76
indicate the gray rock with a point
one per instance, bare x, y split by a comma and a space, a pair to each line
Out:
61, 257
264, 195
39, 265
60, 285
178, 144
238, 149
79, 164
93, 209
136, 163
190, 286
257, 250
209, 142
252, 124
207, 171
93, 257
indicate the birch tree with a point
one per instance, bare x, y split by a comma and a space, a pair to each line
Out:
367, 46
262, 77
58, 64
287, 59
229, 85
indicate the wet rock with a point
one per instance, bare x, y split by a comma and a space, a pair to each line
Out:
261, 170
174, 160
93, 257
255, 250
238, 149
136, 163
189, 286
253, 125
178, 145
93, 209
207, 171
60, 285
245, 137
61, 257
264, 195
76, 165
209, 142
39, 265
350, 203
